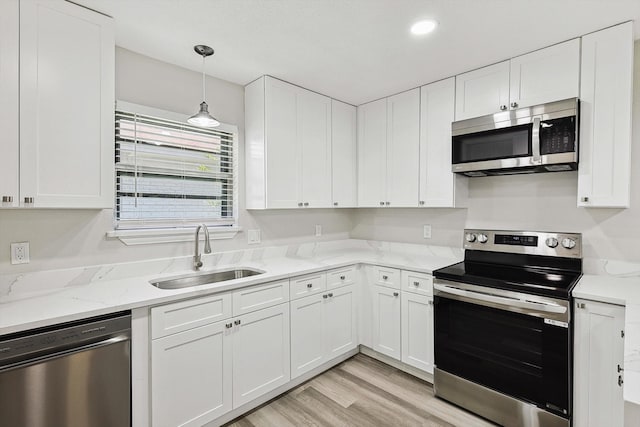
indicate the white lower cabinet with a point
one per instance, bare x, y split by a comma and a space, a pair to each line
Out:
191, 376
386, 321
260, 353
598, 364
323, 326
417, 330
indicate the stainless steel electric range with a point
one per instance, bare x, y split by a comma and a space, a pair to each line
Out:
503, 331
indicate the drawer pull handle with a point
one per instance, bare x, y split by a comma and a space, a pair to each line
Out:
395, 294
325, 296
331, 294
237, 322
385, 277
416, 283
309, 285
229, 325
342, 277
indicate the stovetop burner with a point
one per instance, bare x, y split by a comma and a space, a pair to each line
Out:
547, 264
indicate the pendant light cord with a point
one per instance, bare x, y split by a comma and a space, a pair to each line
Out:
204, 93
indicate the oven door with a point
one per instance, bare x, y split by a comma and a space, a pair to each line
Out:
505, 342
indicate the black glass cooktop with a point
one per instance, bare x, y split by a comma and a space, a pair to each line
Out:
539, 275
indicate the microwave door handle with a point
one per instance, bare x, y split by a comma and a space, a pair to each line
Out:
535, 142
505, 301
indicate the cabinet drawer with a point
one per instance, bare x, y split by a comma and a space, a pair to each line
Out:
341, 277
261, 296
184, 315
420, 283
383, 276
310, 284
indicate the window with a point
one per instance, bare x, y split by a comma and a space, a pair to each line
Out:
170, 174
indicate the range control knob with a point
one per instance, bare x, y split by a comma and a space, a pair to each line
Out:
568, 243
470, 237
482, 238
552, 242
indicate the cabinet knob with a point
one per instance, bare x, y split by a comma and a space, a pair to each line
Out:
620, 368
385, 277
416, 283
514, 104
237, 322
7, 199
330, 294
306, 203
299, 203
381, 203
309, 285
395, 294
28, 200
324, 296
430, 302
387, 203
228, 325
335, 203
342, 277
620, 381
503, 107
421, 202
584, 199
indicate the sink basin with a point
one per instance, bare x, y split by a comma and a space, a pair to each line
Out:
205, 278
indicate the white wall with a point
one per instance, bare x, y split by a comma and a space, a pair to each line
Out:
69, 238
524, 202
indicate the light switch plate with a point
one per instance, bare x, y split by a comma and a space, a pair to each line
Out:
426, 232
253, 237
20, 253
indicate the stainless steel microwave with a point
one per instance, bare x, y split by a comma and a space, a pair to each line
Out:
541, 138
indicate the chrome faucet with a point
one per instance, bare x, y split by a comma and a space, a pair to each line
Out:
197, 261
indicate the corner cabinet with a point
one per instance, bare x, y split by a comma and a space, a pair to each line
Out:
598, 364
545, 75
604, 172
438, 186
288, 146
388, 151
66, 105
343, 155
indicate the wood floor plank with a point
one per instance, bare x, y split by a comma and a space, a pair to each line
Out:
360, 392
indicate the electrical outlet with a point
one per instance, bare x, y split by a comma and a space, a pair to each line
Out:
318, 230
20, 253
253, 237
426, 231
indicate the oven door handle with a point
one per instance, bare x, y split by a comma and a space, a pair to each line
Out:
506, 301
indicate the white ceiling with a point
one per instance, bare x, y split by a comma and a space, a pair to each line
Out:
352, 50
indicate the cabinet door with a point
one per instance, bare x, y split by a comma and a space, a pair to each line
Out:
9, 59
403, 146
439, 187
372, 154
599, 352
307, 333
546, 75
340, 321
343, 155
417, 331
482, 91
66, 105
283, 149
260, 353
314, 135
191, 376
386, 321
604, 173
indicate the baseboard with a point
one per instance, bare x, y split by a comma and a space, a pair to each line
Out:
426, 376
282, 389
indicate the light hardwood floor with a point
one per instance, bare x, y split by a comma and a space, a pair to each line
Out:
360, 392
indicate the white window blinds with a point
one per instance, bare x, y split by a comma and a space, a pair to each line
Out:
170, 174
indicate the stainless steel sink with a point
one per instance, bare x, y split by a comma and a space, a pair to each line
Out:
204, 278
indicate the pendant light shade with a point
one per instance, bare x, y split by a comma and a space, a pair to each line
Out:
203, 118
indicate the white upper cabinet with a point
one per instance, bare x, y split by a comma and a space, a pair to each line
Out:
439, 187
545, 75
482, 91
288, 146
604, 172
66, 105
388, 148
549, 74
343, 155
9, 60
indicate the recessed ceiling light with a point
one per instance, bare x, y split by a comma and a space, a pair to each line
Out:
421, 28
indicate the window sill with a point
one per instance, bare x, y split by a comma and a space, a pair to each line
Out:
172, 235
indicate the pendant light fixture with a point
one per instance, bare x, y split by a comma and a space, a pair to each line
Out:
203, 118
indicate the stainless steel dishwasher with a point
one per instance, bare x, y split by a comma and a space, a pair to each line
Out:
70, 375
